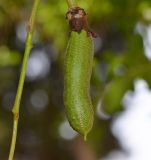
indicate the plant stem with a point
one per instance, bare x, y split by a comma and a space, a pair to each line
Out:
70, 3
16, 106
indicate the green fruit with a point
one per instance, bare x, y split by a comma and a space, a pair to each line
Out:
77, 74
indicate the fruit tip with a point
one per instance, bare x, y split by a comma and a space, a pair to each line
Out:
85, 137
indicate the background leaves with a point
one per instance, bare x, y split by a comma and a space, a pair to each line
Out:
120, 58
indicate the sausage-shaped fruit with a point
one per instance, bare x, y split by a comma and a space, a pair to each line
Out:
77, 74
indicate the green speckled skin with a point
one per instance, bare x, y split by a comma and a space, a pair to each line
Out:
78, 68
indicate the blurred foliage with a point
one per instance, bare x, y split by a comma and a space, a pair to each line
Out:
120, 58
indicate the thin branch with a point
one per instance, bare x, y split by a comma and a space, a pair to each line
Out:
70, 3
16, 106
